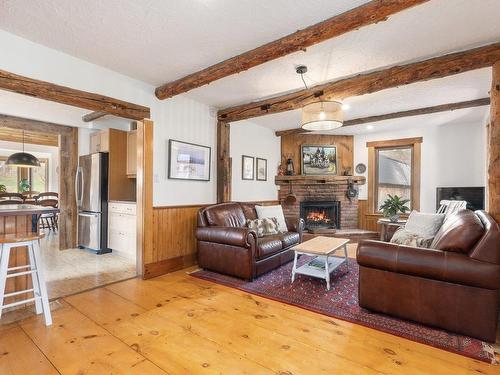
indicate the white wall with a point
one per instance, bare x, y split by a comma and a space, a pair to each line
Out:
46, 152
254, 140
452, 155
178, 118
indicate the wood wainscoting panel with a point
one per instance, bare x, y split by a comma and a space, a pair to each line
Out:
174, 241
290, 148
174, 238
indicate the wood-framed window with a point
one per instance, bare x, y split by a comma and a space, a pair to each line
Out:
394, 168
37, 177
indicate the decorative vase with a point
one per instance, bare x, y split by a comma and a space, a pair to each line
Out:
394, 218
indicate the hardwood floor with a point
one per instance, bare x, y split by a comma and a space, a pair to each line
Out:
176, 324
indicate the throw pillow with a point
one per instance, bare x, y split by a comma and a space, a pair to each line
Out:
406, 238
273, 212
263, 227
424, 225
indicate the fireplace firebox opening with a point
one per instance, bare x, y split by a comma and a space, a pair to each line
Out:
320, 214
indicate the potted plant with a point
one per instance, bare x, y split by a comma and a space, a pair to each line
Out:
24, 185
393, 206
3, 188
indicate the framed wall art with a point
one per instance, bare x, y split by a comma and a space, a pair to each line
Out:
319, 160
247, 167
261, 169
188, 161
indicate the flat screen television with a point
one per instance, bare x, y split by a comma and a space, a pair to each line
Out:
473, 195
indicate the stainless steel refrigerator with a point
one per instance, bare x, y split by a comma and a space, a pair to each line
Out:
91, 186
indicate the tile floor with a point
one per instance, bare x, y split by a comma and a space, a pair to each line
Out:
74, 270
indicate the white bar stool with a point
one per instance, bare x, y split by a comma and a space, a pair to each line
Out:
34, 268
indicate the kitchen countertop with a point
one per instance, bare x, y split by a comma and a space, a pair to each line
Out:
126, 202
25, 209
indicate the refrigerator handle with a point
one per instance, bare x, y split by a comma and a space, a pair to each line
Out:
78, 178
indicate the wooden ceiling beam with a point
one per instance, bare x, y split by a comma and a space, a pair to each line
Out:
65, 95
437, 67
93, 116
367, 14
409, 113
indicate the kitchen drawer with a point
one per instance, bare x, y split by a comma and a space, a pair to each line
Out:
123, 222
123, 208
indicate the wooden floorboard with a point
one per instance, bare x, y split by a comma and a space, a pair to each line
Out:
177, 324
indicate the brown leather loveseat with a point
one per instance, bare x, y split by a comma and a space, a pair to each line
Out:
227, 246
454, 286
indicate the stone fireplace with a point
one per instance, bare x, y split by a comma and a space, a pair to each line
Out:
317, 190
320, 214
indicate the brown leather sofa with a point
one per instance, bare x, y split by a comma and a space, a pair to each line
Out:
227, 246
454, 286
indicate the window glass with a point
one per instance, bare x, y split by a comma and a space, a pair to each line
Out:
39, 177
394, 171
8, 176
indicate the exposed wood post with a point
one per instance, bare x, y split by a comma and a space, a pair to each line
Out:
223, 162
367, 14
144, 193
494, 146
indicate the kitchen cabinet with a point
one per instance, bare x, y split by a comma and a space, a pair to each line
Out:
99, 141
122, 228
132, 154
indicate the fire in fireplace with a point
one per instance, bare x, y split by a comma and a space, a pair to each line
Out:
320, 214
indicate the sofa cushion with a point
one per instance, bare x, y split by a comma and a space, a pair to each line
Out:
249, 211
263, 227
290, 239
273, 211
407, 238
459, 232
423, 224
269, 245
225, 215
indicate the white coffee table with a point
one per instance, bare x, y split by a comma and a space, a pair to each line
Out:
324, 261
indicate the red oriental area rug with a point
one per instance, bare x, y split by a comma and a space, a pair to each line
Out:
342, 302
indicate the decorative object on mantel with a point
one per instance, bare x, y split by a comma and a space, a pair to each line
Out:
188, 161
322, 115
351, 192
247, 167
319, 180
347, 172
281, 170
22, 159
393, 206
360, 168
261, 169
291, 198
290, 169
319, 160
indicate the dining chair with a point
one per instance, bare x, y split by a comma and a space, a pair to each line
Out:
12, 196
50, 220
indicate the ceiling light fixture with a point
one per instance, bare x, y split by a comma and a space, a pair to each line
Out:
22, 159
320, 115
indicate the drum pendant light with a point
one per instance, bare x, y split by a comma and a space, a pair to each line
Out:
22, 159
321, 115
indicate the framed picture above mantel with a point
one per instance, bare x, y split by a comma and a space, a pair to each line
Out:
318, 160
188, 161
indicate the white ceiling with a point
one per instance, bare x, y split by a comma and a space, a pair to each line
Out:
157, 41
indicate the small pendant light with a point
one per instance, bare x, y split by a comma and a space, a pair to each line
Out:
22, 159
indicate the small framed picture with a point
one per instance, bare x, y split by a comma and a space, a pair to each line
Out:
188, 161
261, 169
247, 167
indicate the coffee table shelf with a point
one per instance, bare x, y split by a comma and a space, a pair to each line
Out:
324, 261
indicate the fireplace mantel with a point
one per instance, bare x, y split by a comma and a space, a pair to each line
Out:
319, 180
